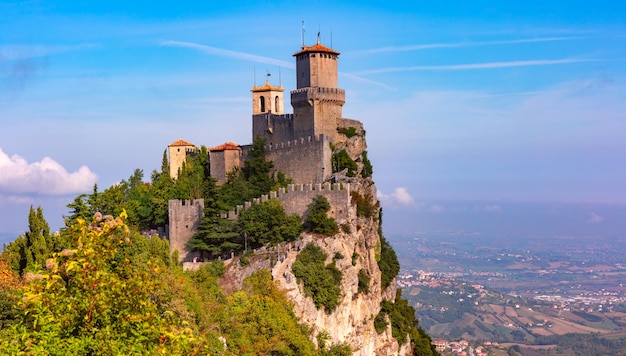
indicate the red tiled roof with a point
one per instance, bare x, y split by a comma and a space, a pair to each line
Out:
226, 147
318, 47
267, 87
180, 142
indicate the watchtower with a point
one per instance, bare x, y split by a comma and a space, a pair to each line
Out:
177, 151
317, 102
267, 99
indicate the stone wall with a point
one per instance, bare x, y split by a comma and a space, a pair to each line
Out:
306, 160
296, 198
184, 219
274, 128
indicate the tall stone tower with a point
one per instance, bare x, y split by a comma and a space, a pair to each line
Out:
177, 151
317, 102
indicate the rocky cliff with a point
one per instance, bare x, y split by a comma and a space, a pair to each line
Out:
356, 248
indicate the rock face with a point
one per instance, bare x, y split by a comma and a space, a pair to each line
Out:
358, 243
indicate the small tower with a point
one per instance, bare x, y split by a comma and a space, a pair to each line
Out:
317, 102
177, 151
267, 99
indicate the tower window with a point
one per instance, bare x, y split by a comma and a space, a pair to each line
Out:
276, 103
262, 103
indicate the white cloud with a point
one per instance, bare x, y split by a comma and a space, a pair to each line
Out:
228, 53
400, 196
486, 65
594, 218
466, 44
46, 177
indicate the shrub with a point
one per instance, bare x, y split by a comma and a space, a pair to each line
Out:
348, 131
368, 170
388, 263
355, 257
364, 206
341, 160
317, 221
320, 282
364, 282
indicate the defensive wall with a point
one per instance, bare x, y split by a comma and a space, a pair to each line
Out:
297, 197
184, 215
274, 128
184, 219
305, 160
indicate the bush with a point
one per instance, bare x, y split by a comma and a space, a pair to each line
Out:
364, 282
368, 170
317, 221
348, 131
364, 206
320, 282
388, 263
341, 160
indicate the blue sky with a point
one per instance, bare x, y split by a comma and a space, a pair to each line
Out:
468, 106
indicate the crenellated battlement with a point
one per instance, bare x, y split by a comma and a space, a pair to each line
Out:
297, 197
305, 96
303, 141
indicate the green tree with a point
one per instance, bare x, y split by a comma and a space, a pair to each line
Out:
267, 223
257, 170
215, 234
91, 301
341, 160
317, 220
388, 263
320, 281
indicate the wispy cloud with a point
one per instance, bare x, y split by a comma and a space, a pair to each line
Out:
400, 196
257, 59
228, 53
47, 177
465, 44
471, 66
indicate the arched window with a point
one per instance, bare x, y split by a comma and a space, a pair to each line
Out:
262, 104
276, 103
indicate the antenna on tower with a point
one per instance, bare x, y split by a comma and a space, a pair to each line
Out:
302, 33
319, 30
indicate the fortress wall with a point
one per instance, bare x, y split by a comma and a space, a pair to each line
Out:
297, 197
184, 219
275, 128
306, 160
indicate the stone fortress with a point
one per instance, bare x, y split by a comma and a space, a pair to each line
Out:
300, 145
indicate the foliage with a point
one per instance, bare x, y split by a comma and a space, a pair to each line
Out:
262, 322
28, 253
341, 160
267, 223
95, 299
317, 220
388, 263
215, 234
355, 257
364, 282
348, 131
380, 321
364, 206
403, 324
368, 170
320, 281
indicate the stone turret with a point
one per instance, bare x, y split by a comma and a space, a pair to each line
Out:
178, 154
317, 102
